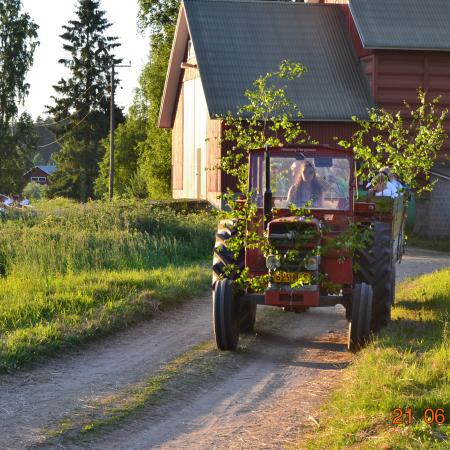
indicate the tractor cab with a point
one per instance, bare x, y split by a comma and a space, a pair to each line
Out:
318, 177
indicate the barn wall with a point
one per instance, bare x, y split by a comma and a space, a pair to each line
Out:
352, 31
433, 211
398, 74
396, 77
193, 175
326, 132
213, 151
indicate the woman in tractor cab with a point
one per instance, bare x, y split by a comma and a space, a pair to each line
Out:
306, 187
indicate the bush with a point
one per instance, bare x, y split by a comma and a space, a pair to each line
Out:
34, 191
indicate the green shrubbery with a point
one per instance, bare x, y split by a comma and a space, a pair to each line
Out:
69, 271
34, 191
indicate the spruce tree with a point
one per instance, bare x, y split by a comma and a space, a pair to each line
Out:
82, 101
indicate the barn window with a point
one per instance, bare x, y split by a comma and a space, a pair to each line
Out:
191, 52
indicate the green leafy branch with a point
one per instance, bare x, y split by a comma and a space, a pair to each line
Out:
409, 142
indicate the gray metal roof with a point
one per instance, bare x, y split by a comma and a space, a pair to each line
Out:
237, 41
47, 169
403, 24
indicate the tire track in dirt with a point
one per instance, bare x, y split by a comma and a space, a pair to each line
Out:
263, 400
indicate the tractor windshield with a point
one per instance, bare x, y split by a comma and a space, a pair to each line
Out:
321, 181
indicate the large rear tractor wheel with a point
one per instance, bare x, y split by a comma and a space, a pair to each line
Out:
226, 264
361, 315
226, 315
376, 267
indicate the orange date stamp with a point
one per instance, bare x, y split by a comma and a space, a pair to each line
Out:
402, 416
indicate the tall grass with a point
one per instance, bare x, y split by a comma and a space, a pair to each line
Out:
69, 238
70, 271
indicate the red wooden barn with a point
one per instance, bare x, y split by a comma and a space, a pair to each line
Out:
359, 53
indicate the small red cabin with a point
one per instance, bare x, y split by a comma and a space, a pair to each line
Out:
40, 174
359, 54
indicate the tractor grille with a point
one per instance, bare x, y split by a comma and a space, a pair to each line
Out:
294, 232
294, 238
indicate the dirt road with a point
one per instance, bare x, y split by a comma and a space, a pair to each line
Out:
260, 398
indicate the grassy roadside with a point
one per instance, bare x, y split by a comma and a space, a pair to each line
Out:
71, 272
440, 245
66, 311
407, 366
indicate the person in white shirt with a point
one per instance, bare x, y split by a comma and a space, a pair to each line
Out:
380, 186
385, 184
392, 179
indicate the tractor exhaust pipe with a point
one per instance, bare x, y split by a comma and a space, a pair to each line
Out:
267, 205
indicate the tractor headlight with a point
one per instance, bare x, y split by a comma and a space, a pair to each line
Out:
312, 263
272, 262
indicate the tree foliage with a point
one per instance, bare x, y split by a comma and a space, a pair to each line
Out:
408, 145
155, 152
159, 15
18, 40
155, 159
82, 101
269, 119
17, 148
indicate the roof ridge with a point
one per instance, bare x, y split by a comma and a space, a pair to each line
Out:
267, 2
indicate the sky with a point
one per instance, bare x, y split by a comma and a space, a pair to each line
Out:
51, 15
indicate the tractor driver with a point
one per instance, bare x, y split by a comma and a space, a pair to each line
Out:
306, 186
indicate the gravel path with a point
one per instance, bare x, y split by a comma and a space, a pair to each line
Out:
264, 401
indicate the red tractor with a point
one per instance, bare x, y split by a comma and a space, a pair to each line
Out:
362, 281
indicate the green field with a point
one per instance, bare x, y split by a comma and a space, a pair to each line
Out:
70, 272
407, 366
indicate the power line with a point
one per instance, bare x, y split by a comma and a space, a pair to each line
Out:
57, 141
65, 109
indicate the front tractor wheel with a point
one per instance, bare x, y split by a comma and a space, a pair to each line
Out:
226, 315
361, 316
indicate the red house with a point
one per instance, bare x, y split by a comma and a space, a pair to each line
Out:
40, 174
359, 53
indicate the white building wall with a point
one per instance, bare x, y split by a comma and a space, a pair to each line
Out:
195, 117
